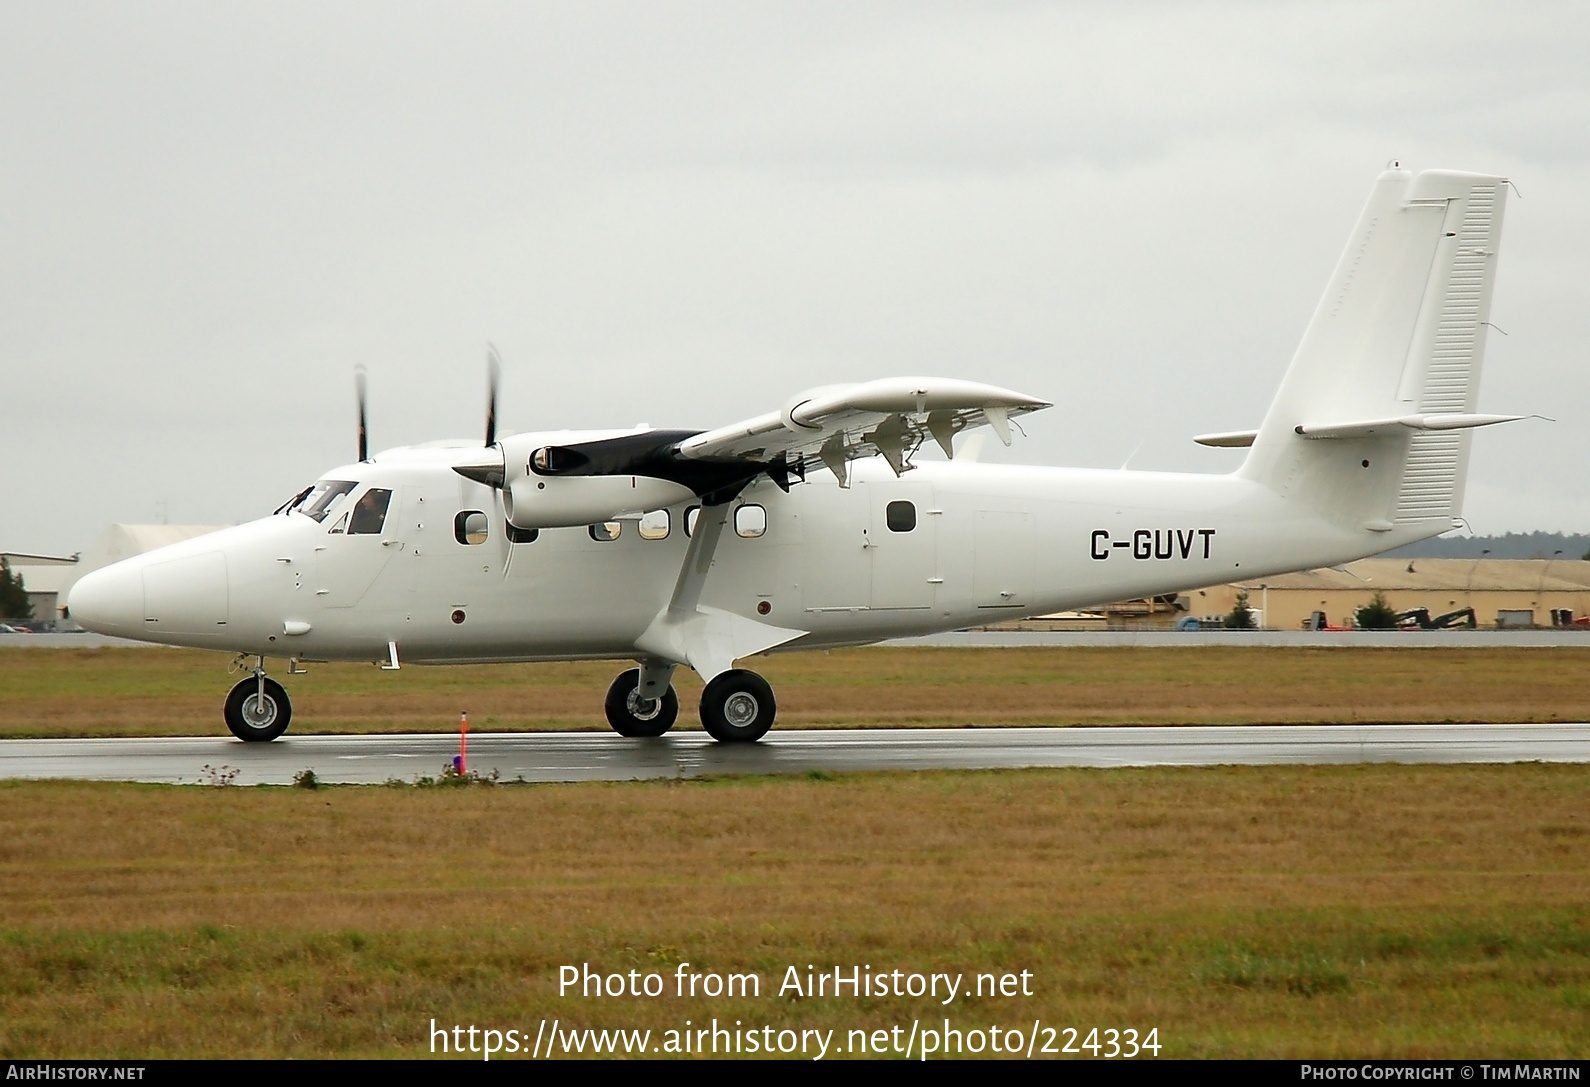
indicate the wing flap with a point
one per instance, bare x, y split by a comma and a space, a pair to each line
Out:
889, 417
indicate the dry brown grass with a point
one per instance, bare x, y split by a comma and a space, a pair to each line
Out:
1369, 910
110, 692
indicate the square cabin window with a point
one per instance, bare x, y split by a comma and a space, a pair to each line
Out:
900, 516
750, 521
470, 527
605, 531
655, 525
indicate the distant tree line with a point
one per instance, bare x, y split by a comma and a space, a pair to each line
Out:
14, 602
1512, 545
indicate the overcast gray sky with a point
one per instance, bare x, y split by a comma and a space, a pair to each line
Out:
681, 214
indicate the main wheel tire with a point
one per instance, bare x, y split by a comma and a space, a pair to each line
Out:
738, 707
632, 715
254, 719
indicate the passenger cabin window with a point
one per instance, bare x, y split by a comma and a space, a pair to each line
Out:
655, 525
470, 527
900, 516
605, 531
325, 497
690, 520
369, 513
750, 521
522, 535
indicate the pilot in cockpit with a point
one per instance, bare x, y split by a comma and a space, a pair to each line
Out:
369, 514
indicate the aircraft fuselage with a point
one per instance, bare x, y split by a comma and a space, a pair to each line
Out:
942, 547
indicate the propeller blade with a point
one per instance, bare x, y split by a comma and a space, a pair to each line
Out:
364, 433
493, 379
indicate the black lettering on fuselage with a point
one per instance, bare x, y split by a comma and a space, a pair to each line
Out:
1154, 543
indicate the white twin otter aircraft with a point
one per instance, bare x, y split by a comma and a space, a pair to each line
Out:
811, 527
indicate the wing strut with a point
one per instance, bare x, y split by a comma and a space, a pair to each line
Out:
698, 560
708, 639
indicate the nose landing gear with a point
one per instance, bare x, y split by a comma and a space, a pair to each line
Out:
258, 709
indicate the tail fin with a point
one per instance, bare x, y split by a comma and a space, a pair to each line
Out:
1371, 424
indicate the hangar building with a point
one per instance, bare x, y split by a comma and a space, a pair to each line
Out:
1502, 592
46, 579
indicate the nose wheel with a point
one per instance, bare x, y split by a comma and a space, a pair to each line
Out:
258, 709
632, 714
738, 707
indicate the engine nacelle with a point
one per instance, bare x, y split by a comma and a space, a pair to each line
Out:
535, 501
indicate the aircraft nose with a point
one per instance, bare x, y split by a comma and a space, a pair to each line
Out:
109, 601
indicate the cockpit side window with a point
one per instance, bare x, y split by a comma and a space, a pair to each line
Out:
369, 513
325, 497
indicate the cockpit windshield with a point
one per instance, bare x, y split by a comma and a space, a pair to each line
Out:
325, 497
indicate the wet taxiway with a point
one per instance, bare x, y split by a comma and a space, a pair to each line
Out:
604, 756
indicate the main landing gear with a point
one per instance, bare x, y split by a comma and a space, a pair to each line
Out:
736, 707
631, 713
258, 708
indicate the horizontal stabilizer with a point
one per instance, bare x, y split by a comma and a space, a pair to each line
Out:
1231, 439
1371, 428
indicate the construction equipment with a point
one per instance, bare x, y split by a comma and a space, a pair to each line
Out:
1419, 619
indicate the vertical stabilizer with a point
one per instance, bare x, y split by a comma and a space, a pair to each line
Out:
1399, 335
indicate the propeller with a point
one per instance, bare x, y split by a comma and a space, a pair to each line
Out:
364, 433
489, 469
493, 380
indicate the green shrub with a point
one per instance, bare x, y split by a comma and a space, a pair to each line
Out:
1241, 616
1377, 614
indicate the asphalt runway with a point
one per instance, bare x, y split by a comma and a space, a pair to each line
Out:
606, 757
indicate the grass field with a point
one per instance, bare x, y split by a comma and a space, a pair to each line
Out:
128, 692
1256, 911
1242, 911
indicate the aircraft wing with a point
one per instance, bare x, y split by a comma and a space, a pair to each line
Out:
832, 425
890, 418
